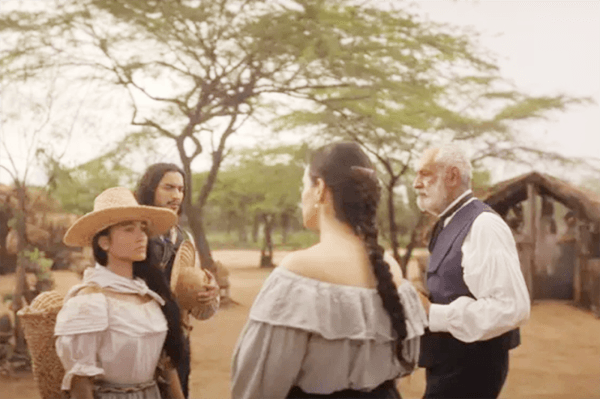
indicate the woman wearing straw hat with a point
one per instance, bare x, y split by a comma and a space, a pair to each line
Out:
114, 327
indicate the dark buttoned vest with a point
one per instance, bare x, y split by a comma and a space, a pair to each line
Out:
164, 251
446, 283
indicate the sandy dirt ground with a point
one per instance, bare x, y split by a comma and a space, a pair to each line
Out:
559, 356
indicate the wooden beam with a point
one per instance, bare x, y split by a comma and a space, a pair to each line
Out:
528, 243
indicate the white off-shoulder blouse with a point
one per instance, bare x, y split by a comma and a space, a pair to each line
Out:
321, 337
101, 336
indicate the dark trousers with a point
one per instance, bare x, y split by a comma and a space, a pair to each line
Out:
386, 390
184, 368
480, 373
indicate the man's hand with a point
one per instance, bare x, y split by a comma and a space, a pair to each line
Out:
211, 290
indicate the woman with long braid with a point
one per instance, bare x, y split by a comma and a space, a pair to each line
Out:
336, 320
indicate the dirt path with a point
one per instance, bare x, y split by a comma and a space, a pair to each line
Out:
559, 357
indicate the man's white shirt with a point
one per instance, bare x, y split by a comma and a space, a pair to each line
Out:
492, 272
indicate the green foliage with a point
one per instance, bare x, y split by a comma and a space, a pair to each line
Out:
482, 180
436, 85
295, 240
76, 188
196, 70
44, 264
261, 181
591, 183
254, 183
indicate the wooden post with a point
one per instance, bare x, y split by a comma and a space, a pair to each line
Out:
529, 242
21, 284
580, 270
577, 266
594, 285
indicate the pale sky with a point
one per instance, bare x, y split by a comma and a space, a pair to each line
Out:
544, 47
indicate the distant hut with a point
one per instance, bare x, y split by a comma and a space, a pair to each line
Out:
557, 263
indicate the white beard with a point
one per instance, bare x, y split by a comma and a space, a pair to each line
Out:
435, 198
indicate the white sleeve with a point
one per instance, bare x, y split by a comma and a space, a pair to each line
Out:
82, 314
78, 355
79, 328
492, 272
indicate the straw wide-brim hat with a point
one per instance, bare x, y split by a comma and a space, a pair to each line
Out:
38, 321
186, 279
116, 205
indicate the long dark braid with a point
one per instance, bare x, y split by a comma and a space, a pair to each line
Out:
367, 229
349, 174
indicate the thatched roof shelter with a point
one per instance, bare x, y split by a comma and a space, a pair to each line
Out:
506, 194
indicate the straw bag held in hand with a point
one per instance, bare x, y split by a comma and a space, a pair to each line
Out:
188, 279
38, 321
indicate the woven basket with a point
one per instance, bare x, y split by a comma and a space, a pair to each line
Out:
38, 321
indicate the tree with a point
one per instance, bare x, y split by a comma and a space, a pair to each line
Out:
7, 262
280, 183
261, 184
77, 187
24, 140
231, 198
21, 282
590, 183
436, 86
196, 70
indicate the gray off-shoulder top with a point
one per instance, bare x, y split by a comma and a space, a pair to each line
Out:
321, 337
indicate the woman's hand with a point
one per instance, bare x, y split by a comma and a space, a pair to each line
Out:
175, 391
424, 301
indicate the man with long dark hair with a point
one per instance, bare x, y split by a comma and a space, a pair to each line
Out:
163, 185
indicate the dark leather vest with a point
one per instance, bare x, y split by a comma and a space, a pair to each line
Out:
164, 251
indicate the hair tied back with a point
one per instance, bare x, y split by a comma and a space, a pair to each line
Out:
367, 172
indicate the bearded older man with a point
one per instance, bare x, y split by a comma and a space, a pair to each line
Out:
477, 293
